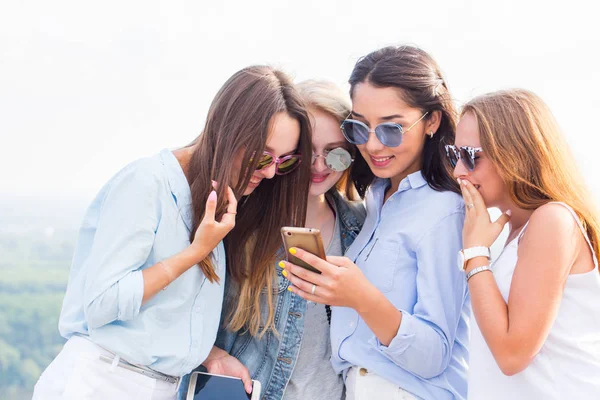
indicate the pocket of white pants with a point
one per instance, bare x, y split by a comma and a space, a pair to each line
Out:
363, 388
60, 374
83, 382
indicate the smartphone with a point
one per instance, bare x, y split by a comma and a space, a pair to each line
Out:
308, 239
205, 386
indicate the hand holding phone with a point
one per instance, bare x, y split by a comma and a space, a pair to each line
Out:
307, 239
205, 386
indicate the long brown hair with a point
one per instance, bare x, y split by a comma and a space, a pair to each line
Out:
521, 137
238, 122
330, 99
421, 85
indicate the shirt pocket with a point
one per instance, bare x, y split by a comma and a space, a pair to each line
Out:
381, 262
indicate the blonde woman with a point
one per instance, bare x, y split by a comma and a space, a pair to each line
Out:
536, 333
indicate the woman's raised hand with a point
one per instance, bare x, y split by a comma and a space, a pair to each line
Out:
210, 231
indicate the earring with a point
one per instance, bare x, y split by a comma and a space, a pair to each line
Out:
431, 134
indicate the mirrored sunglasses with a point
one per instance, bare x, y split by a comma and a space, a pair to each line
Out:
465, 153
338, 159
284, 165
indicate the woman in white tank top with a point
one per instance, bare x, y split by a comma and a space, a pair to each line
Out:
536, 331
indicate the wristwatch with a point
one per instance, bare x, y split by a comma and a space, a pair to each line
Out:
472, 252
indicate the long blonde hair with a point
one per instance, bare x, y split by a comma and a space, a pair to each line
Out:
327, 97
522, 138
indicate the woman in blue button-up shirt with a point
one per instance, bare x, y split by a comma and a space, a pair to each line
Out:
144, 297
401, 326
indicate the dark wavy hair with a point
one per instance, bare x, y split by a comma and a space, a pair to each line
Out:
421, 85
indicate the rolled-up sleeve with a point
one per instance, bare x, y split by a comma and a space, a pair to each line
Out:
423, 344
126, 226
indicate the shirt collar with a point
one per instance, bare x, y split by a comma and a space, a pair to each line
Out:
416, 180
179, 186
412, 181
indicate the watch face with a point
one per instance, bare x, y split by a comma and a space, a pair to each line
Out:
461, 261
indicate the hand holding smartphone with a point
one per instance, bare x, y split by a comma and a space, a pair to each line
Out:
205, 386
307, 239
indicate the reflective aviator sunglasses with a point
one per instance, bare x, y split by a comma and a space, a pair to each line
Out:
465, 153
284, 165
338, 159
389, 133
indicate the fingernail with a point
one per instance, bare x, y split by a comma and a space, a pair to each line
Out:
212, 195
284, 273
290, 288
293, 251
508, 212
281, 264
458, 180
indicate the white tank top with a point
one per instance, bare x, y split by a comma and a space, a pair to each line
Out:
568, 364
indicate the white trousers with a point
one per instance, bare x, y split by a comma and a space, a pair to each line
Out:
78, 373
363, 385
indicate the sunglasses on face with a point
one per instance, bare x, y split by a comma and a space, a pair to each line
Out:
284, 165
338, 159
389, 133
464, 153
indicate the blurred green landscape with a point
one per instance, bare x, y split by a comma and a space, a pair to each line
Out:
37, 239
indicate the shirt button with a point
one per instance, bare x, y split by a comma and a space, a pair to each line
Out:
351, 324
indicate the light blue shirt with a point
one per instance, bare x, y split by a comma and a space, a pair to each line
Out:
407, 248
142, 216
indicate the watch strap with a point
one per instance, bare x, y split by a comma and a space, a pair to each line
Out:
476, 251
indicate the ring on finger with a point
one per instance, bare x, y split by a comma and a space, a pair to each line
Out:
312, 290
470, 205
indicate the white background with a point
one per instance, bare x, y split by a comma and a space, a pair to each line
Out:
86, 87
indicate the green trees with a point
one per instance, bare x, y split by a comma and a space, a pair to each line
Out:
34, 272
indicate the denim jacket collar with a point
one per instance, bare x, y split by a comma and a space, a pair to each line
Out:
351, 214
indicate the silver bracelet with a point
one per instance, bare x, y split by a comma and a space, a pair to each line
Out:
477, 270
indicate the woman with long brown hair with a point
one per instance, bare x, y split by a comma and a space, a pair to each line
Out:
144, 298
536, 333
291, 357
400, 326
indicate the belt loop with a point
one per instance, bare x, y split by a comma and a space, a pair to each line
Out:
115, 362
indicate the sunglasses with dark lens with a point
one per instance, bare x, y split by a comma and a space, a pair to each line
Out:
284, 165
338, 159
464, 153
389, 133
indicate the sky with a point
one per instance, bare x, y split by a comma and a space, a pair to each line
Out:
87, 87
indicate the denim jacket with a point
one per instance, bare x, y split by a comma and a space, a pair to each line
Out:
271, 359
